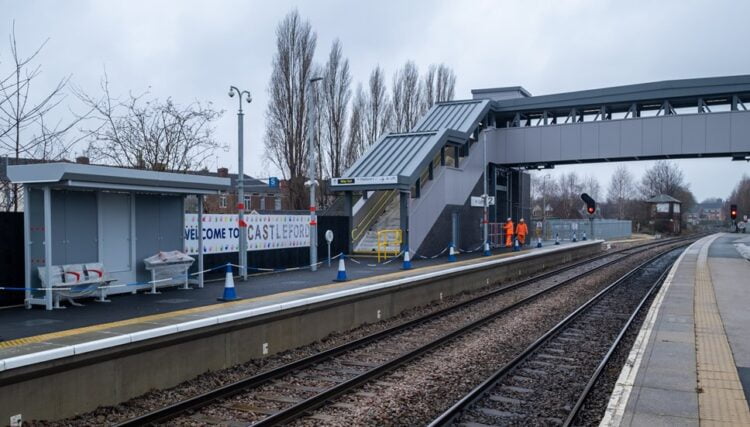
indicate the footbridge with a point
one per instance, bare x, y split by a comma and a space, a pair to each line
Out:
438, 166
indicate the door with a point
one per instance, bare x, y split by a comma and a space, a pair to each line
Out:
116, 228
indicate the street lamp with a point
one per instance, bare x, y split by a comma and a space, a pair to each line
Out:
241, 181
311, 113
485, 197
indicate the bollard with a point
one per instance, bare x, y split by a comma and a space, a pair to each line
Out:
583, 237
516, 246
574, 239
557, 238
341, 276
229, 292
451, 253
407, 260
538, 242
487, 249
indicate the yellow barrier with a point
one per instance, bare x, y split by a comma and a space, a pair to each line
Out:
386, 240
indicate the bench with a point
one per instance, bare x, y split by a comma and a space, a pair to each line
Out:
86, 279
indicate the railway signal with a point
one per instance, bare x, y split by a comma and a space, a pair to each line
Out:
590, 203
733, 211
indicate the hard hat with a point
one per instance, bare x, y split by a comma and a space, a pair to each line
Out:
521, 219
509, 219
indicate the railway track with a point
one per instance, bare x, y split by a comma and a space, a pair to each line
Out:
283, 394
549, 382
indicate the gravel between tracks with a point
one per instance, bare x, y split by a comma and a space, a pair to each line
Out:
420, 390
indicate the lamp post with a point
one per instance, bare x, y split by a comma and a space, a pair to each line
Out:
544, 200
241, 180
311, 117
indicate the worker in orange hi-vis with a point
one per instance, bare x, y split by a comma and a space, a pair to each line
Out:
522, 230
508, 228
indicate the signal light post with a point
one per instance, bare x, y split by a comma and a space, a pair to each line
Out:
733, 215
591, 210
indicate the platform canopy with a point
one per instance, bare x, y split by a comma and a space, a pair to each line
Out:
81, 176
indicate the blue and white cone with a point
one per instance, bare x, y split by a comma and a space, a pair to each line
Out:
407, 260
516, 246
538, 242
487, 249
557, 239
574, 239
451, 253
583, 237
341, 276
229, 292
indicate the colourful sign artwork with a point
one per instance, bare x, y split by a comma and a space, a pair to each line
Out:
264, 232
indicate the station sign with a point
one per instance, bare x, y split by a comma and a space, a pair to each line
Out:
365, 180
273, 182
264, 232
478, 202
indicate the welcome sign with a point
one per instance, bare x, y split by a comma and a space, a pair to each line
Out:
221, 232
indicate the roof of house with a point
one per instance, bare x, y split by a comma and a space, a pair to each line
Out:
663, 198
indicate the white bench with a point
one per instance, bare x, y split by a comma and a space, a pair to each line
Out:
88, 277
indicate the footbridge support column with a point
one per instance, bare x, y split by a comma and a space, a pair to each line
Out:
404, 218
348, 206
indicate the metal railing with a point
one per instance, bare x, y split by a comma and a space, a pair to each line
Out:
389, 243
359, 230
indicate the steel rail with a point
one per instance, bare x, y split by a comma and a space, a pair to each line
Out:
196, 402
605, 360
482, 389
299, 409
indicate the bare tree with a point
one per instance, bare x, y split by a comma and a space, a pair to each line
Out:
438, 85
286, 121
148, 133
567, 202
664, 177
20, 112
620, 190
336, 95
356, 145
407, 97
592, 187
378, 113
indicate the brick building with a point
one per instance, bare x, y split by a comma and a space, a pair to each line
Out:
258, 195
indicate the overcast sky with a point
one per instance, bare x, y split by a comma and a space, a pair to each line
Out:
195, 49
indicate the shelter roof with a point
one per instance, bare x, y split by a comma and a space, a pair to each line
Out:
81, 176
462, 116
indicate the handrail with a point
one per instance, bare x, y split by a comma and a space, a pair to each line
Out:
366, 222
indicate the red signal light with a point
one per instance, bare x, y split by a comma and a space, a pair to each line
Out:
591, 209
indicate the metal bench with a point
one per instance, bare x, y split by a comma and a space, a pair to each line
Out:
75, 281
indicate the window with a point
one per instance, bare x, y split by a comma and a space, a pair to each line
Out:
662, 207
262, 203
223, 201
676, 208
277, 203
247, 201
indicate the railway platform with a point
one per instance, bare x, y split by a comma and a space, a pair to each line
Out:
141, 342
690, 364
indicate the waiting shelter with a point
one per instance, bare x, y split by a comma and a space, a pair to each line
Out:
109, 216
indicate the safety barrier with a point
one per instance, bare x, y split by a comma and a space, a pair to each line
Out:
388, 239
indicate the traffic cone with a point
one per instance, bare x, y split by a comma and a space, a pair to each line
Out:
557, 238
229, 292
574, 239
407, 260
538, 242
584, 236
487, 249
341, 277
451, 253
516, 246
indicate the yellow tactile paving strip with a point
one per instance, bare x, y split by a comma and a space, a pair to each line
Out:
202, 309
720, 399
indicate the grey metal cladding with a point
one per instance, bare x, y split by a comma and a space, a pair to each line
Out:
461, 116
394, 154
668, 89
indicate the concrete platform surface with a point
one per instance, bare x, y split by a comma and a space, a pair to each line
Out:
690, 364
49, 335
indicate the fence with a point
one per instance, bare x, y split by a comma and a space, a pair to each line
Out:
11, 255
603, 229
